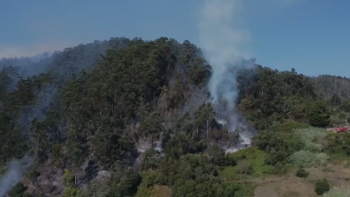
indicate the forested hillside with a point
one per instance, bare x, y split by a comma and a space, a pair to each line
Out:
133, 118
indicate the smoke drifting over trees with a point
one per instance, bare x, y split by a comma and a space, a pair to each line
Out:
86, 114
224, 42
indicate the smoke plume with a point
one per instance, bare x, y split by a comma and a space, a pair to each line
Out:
14, 173
224, 44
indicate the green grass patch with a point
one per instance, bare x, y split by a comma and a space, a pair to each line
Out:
336, 157
246, 189
230, 173
253, 157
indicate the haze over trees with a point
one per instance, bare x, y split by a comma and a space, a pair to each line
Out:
129, 118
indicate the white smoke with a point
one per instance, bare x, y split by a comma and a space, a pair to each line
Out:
14, 173
224, 44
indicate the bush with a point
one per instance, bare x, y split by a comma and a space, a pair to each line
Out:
127, 185
310, 136
68, 178
321, 186
336, 119
278, 146
244, 167
302, 173
33, 175
308, 159
339, 144
149, 178
98, 189
18, 189
72, 192
279, 168
287, 126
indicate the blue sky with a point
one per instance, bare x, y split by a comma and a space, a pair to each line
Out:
311, 36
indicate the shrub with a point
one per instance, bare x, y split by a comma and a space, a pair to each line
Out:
336, 119
149, 178
72, 192
308, 159
18, 189
98, 189
68, 178
310, 136
33, 174
302, 173
278, 146
339, 143
244, 167
287, 126
321, 186
279, 168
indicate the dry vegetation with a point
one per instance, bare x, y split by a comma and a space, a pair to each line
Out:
161, 191
291, 186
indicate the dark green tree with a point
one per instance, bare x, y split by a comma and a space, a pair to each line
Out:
335, 100
318, 114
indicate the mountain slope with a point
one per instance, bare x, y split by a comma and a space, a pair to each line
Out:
132, 117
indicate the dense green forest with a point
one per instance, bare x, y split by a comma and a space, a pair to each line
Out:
131, 118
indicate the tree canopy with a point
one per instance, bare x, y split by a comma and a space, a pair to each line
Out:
102, 102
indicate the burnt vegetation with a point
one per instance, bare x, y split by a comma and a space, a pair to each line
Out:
87, 111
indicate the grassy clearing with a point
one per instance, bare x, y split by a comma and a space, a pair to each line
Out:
161, 191
338, 192
155, 191
289, 185
312, 156
251, 159
256, 159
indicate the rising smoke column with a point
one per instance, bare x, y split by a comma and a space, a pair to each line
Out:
14, 173
224, 45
